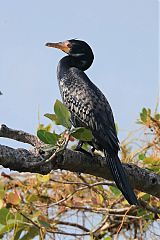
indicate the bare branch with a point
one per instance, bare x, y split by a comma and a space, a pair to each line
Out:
23, 160
68, 233
71, 224
19, 135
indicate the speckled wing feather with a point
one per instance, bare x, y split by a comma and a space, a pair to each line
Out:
89, 108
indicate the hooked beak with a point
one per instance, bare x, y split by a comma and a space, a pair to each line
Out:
64, 46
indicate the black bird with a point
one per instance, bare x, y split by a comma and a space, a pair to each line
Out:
89, 107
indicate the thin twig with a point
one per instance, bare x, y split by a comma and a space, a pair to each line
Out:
108, 210
101, 225
107, 183
67, 233
119, 228
29, 219
73, 225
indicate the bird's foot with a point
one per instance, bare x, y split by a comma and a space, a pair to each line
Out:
80, 149
92, 151
79, 146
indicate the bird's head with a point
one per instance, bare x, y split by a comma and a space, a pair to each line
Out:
77, 49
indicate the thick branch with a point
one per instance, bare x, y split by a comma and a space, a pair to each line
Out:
23, 160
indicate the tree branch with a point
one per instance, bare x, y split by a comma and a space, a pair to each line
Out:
19, 135
23, 160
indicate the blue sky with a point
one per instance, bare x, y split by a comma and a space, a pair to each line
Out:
123, 35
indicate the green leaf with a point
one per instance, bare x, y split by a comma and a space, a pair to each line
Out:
115, 190
43, 178
144, 111
44, 224
149, 112
9, 225
107, 238
6, 228
5, 215
82, 133
43, 127
149, 160
155, 161
32, 198
157, 116
2, 190
143, 115
141, 156
62, 114
141, 212
150, 216
53, 117
146, 197
47, 137
155, 169
18, 233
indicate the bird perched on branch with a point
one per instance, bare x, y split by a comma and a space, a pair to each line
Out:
89, 107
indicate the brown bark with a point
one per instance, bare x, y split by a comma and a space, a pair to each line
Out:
23, 160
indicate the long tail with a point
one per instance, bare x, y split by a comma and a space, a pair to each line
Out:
120, 178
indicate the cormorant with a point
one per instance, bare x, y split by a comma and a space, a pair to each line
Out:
89, 108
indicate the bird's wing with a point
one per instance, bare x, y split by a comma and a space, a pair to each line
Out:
90, 107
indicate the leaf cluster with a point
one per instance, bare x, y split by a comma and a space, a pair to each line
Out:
35, 205
62, 116
150, 155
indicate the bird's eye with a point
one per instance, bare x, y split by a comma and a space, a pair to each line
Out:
69, 45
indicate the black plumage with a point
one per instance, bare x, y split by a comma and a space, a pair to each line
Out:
89, 107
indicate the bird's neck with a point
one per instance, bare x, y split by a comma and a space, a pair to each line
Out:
67, 62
